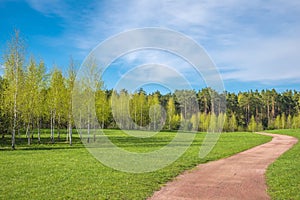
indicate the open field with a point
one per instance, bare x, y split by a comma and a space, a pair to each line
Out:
283, 176
59, 171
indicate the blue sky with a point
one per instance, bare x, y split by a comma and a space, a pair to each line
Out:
254, 44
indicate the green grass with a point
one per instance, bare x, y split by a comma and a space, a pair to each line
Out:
57, 171
283, 176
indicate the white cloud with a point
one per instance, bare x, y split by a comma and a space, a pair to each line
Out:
250, 40
159, 74
264, 60
51, 7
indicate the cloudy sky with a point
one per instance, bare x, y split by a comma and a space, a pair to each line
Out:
254, 44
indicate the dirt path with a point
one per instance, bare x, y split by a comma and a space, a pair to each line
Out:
240, 176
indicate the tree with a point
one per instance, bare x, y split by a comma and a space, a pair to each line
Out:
142, 109
13, 62
120, 109
32, 102
252, 124
283, 121
155, 112
188, 103
4, 121
244, 102
204, 121
90, 83
102, 107
296, 122
289, 122
69, 89
134, 109
195, 122
170, 111
277, 122
233, 126
204, 100
57, 101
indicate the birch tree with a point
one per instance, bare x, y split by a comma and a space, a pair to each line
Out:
13, 62
170, 111
70, 87
56, 100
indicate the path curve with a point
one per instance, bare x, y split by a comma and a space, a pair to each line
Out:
241, 176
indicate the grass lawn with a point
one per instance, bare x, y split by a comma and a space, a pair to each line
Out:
58, 171
283, 176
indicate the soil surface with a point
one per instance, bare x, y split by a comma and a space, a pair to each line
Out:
241, 176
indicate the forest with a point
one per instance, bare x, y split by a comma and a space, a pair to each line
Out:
33, 99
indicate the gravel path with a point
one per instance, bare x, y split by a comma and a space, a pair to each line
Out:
241, 176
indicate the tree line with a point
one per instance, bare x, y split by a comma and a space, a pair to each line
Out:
32, 99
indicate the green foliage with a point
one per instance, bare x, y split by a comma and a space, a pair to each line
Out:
252, 125
232, 124
31, 98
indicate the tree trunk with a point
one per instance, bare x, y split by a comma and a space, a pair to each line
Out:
67, 133
268, 112
52, 125
80, 128
13, 136
39, 131
19, 135
135, 116
28, 134
273, 108
70, 133
141, 125
88, 139
94, 133
58, 128
70, 129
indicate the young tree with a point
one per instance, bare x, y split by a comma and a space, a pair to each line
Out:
14, 60
31, 100
90, 83
283, 121
134, 109
57, 100
204, 121
120, 108
195, 122
70, 87
277, 122
142, 109
4, 121
252, 124
102, 107
221, 119
233, 126
289, 122
170, 111
155, 112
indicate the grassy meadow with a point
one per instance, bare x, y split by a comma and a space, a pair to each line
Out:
58, 171
283, 176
